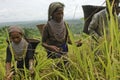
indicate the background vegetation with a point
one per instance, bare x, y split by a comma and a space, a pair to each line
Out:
91, 61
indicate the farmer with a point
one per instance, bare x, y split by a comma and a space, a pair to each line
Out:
55, 34
20, 49
100, 20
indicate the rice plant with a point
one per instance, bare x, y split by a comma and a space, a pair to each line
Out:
91, 61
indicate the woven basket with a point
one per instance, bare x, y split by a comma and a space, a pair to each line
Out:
89, 11
40, 27
33, 42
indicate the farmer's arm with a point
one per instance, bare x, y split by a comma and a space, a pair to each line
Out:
93, 25
45, 37
30, 54
8, 68
31, 63
8, 62
78, 43
69, 40
68, 32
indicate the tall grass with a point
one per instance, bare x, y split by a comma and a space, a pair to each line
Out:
91, 61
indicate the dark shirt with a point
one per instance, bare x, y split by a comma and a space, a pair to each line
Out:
29, 55
49, 38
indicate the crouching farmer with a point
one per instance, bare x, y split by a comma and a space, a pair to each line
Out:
18, 50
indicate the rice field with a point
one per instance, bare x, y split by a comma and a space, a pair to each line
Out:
91, 61
99, 62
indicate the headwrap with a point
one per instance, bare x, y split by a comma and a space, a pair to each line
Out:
52, 7
15, 29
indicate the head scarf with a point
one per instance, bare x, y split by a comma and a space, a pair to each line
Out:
58, 29
15, 29
52, 7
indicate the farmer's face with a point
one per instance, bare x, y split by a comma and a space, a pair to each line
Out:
15, 37
58, 15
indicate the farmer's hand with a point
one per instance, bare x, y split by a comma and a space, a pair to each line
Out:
9, 76
78, 43
31, 71
31, 63
54, 48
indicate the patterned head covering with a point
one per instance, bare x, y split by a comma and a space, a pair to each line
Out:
52, 7
15, 29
